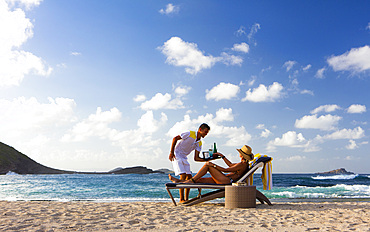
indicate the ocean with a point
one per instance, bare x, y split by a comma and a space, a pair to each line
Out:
151, 187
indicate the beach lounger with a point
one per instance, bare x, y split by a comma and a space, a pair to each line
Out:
220, 192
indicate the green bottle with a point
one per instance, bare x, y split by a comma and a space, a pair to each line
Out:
214, 148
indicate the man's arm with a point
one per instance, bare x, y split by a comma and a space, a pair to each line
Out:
171, 157
197, 157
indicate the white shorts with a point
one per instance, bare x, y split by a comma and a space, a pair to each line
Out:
181, 166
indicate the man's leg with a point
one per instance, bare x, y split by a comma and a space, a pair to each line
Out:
187, 191
182, 179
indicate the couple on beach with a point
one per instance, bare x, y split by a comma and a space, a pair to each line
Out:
191, 141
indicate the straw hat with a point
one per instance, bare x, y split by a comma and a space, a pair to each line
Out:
246, 152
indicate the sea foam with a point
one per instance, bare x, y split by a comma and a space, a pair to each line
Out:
335, 177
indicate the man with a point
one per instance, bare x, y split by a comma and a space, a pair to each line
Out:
190, 141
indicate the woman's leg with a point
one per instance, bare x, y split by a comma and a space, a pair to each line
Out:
173, 179
217, 176
206, 180
199, 175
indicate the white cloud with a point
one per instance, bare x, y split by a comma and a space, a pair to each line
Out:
252, 80
75, 54
352, 145
28, 4
289, 139
139, 98
325, 108
16, 29
296, 158
170, 9
295, 82
307, 67
289, 64
160, 101
231, 59
264, 94
241, 31
33, 127
137, 143
224, 115
148, 124
184, 54
242, 47
356, 133
324, 122
22, 116
320, 73
223, 91
61, 65
356, 60
356, 109
95, 125
236, 136
253, 31
266, 69
182, 90
260, 126
306, 91
265, 133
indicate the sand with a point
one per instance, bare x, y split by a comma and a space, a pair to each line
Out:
150, 216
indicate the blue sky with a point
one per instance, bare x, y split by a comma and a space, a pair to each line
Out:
92, 85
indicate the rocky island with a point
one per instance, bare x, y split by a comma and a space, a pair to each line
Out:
340, 171
13, 161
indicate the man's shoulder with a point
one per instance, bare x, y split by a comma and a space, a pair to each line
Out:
185, 134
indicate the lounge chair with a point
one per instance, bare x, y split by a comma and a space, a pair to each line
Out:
220, 192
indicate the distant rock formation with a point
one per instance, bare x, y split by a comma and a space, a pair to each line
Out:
165, 170
133, 170
14, 162
340, 171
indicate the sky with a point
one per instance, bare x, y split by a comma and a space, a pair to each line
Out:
94, 85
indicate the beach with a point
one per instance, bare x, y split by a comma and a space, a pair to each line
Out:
164, 216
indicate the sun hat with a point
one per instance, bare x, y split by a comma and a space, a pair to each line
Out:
246, 152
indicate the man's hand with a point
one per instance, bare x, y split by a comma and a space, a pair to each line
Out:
172, 156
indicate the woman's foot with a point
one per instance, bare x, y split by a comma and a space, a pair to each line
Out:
173, 179
190, 181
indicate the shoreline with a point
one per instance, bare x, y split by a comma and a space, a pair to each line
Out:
165, 200
164, 216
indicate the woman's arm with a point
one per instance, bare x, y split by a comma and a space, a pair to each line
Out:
227, 162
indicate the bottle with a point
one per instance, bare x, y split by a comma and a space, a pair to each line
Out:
214, 148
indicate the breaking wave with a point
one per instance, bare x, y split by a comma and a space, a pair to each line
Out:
335, 177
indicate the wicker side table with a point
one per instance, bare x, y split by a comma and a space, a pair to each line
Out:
240, 197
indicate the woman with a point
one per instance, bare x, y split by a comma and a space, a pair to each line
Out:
218, 177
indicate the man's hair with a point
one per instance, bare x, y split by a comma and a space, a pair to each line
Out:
204, 126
